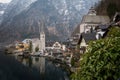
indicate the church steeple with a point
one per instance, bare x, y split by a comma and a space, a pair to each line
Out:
42, 35
92, 11
42, 27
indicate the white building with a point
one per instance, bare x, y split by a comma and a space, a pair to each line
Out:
63, 47
57, 45
35, 43
91, 21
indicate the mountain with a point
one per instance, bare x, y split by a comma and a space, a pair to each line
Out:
109, 8
16, 7
59, 16
3, 6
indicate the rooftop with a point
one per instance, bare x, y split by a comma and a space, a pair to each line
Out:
88, 37
96, 19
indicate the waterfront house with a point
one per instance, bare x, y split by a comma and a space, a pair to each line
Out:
85, 38
57, 45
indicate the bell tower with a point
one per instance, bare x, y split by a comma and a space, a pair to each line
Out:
92, 11
42, 36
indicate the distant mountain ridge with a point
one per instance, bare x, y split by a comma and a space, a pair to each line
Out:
60, 16
3, 6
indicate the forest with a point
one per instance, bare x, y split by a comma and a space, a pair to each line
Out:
108, 7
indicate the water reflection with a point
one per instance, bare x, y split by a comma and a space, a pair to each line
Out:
47, 70
10, 69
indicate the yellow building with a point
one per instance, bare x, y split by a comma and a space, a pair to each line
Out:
22, 46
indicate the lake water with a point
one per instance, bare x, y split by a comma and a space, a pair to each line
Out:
46, 69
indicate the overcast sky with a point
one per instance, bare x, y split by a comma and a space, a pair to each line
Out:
5, 1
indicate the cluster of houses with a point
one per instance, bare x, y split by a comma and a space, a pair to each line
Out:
40, 44
39, 47
92, 27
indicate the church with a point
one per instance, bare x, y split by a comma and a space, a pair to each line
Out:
92, 20
37, 42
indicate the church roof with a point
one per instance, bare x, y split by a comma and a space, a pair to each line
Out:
35, 40
96, 19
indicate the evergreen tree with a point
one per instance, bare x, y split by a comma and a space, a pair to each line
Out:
37, 49
30, 47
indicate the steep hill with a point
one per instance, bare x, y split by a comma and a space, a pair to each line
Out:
60, 16
108, 7
3, 6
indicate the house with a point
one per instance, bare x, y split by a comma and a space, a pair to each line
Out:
63, 47
57, 45
116, 19
101, 30
96, 34
26, 41
85, 38
92, 20
21, 46
74, 41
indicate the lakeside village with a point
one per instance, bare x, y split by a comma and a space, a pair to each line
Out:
92, 27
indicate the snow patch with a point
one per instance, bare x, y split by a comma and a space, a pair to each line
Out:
1, 12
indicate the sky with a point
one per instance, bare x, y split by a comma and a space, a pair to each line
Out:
5, 1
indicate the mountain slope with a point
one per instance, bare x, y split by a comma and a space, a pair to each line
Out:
109, 8
59, 17
3, 6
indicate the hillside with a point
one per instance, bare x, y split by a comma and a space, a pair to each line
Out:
3, 6
21, 18
108, 7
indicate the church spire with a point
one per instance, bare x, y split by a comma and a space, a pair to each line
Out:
92, 11
41, 26
42, 35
